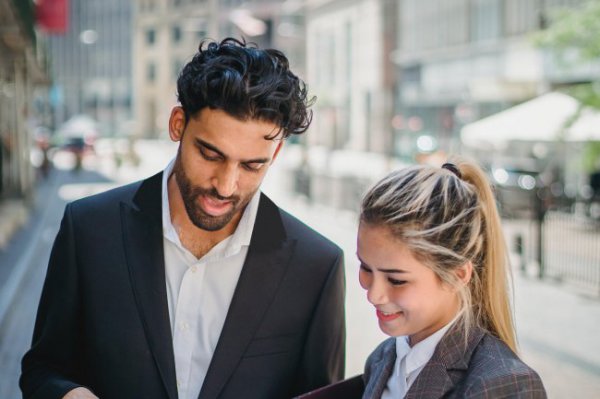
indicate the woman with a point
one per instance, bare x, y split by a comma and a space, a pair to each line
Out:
434, 264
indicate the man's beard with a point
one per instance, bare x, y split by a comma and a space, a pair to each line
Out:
190, 195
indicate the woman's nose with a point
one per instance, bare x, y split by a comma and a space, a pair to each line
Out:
377, 292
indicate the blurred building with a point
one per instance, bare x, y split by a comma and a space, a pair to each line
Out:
167, 34
459, 61
91, 65
22, 77
398, 79
22, 70
348, 46
349, 69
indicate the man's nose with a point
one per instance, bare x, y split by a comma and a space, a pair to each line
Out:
226, 180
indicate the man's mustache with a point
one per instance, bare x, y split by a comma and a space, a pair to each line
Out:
212, 192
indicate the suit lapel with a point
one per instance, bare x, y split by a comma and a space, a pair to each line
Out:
434, 381
448, 364
382, 370
265, 266
143, 242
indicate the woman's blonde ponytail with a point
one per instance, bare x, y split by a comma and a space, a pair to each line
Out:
491, 297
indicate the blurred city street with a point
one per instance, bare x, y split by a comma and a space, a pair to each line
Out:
557, 328
87, 90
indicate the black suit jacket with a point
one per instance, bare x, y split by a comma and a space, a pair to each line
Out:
103, 319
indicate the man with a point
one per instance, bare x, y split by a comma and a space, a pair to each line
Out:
193, 284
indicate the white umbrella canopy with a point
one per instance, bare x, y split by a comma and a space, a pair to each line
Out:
540, 119
79, 126
586, 127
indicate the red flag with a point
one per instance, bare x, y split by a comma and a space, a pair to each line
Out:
53, 15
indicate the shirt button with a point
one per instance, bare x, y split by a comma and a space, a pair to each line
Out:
184, 325
194, 268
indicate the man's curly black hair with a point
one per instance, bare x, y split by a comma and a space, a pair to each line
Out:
247, 83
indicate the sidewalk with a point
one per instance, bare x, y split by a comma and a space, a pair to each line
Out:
558, 325
17, 219
558, 334
13, 215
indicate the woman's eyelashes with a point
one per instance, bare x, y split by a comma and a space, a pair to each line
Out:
394, 281
391, 280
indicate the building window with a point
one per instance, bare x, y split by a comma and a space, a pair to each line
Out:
411, 74
368, 119
151, 72
520, 17
485, 20
149, 5
200, 28
150, 36
201, 34
177, 67
176, 34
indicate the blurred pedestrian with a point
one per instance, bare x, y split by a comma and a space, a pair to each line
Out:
434, 264
192, 283
42, 141
595, 184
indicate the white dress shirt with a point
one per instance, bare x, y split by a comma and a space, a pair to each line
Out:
199, 292
410, 362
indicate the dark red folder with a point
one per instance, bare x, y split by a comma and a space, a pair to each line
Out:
352, 388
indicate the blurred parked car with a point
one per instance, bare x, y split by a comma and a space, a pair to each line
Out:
79, 147
74, 144
518, 189
77, 136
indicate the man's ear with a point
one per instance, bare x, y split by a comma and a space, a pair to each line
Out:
176, 124
279, 145
465, 272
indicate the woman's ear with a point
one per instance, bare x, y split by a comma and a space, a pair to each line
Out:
465, 272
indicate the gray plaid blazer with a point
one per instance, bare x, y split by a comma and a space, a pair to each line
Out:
483, 368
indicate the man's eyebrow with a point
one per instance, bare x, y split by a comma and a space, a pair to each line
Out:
395, 271
211, 147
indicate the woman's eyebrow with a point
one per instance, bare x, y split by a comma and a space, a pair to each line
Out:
392, 270
395, 271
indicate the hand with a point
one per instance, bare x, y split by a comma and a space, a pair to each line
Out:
80, 393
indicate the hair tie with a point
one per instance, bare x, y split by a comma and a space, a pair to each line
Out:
452, 168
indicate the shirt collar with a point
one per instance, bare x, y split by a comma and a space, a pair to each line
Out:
240, 238
419, 355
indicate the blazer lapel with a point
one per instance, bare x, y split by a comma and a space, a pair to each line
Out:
448, 364
434, 381
382, 370
143, 242
265, 266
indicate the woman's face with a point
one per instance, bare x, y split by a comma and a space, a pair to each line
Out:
409, 297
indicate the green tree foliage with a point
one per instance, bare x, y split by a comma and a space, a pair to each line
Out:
573, 35
591, 156
574, 29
